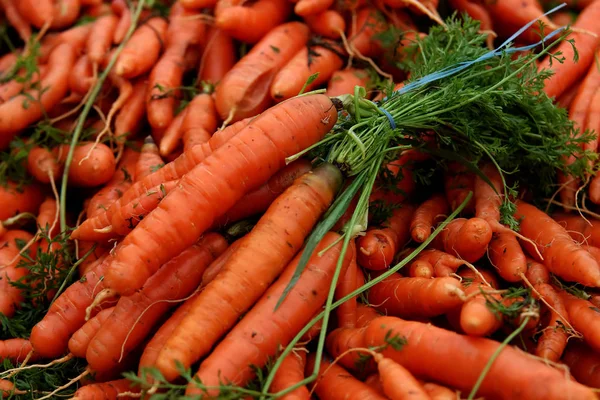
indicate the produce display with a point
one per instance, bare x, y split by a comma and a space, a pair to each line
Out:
299, 199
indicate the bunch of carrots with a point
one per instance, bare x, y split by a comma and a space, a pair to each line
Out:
154, 232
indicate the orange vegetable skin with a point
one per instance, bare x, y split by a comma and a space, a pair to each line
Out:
80, 340
106, 391
289, 373
16, 199
142, 50
92, 164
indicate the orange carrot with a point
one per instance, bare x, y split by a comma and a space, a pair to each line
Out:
92, 164
342, 339
81, 78
334, 382
509, 15
219, 57
16, 20
460, 361
164, 82
583, 316
344, 82
121, 8
443, 264
19, 112
101, 37
252, 22
478, 12
374, 381
262, 331
286, 223
583, 363
149, 160
199, 122
217, 266
466, 238
554, 338
439, 392
426, 217
135, 315
142, 50
562, 256
416, 297
111, 390
80, 340
397, 382
570, 71
16, 350
377, 248
581, 230
537, 272
369, 23
11, 296
346, 312
185, 29
43, 165
60, 13
507, 257
244, 91
329, 24
290, 372
311, 7
129, 119
169, 139
197, 4
16, 199
476, 318
420, 269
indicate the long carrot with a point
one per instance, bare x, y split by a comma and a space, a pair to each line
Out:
164, 82
199, 122
244, 91
78, 344
562, 256
290, 372
507, 257
19, 112
346, 312
553, 341
142, 50
135, 315
460, 360
261, 331
285, 225
209, 190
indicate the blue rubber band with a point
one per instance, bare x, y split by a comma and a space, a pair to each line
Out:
389, 117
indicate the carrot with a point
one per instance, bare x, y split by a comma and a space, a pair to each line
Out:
334, 382
443, 264
164, 82
262, 331
220, 50
460, 360
369, 23
208, 181
199, 122
426, 217
478, 12
466, 238
311, 7
285, 223
458, 181
106, 391
374, 381
507, 257
536, 272
476, 318
244, 90
554, 338
340, 340
571, 70
562, 256
185, 29
420, 269
397, 382
509, 15
129, 119
197, 4
43, 165
16, 350
290, 372
318, 59
439, 392
257, 201
169, 139
11, 296
101, 37
251, 23
124, 23
400, 172
217, 266
583, 316
416, 297
142, 50
346, 312
581, 230
66, 315
60, 14
566, 99
377, 248
344, 82
583, 363
329, 24
148, 161
135, 315
170, 172
16, 86
92, 164
16, 20
14, 117
78, 344
81, 78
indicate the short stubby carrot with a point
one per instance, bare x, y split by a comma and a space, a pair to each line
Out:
262, 331
311, 7
80, 340
466, 238
340, 340
456, 360
377, 248
329, 24
426, 217
290, 372
442, 263
200, 120
92, 164
135, 315
19, 112
562, 256
285, 225
416, 297
476, 318
143, 49
318, 59
251, 158
397, 382
16, 199
244, 90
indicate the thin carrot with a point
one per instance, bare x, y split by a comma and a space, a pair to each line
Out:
286, 223
19, 112
124, 23
142, 50
82, 77
398, 383
244, 91
250, 23
439, 392
101, 37
16, 350
111, 390
185, 29
583, 363
426, 217
584, 317
581, 230
78, 344
149, 160
217, 266
164, 82
169, 139
261, 331
377, 248
290, 372
554, 338
537, 272
562, 256
346, 312
135, 315
507, 257
130, 117
416, 297
219, 57
329, 24
461, 359
199, 122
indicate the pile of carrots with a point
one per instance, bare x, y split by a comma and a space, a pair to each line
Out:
150, 224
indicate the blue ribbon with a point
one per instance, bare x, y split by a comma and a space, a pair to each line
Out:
454, 69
